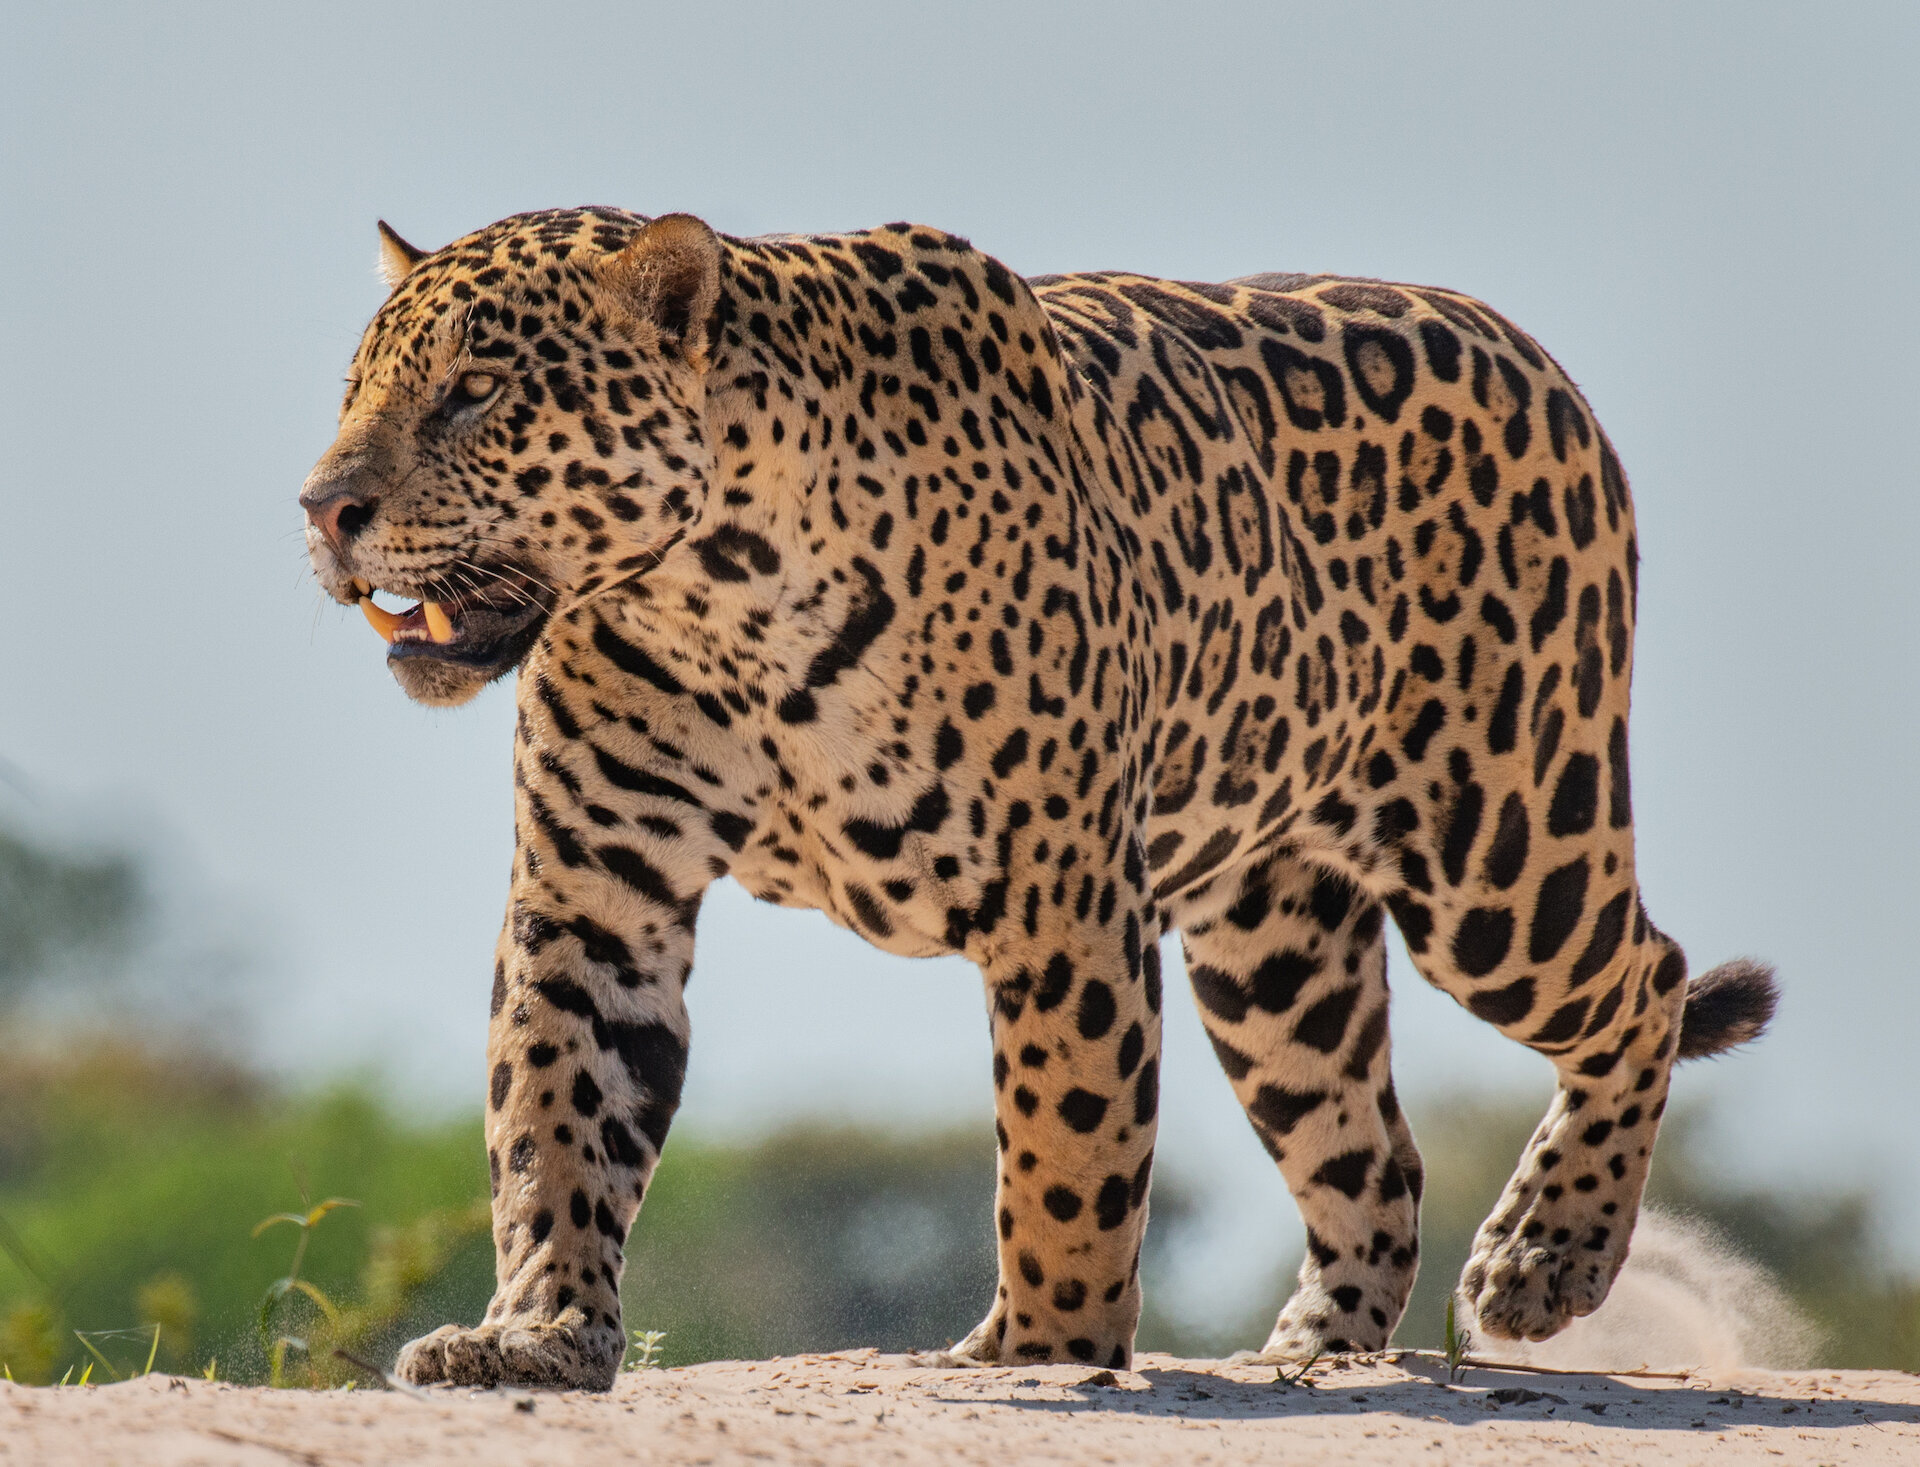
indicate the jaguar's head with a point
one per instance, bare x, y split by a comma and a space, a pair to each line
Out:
523, 427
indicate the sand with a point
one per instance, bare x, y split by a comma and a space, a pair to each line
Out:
858, 1407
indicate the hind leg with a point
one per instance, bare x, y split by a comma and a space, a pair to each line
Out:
1076, 1070
1598, 989
1549, 1251
1291, 980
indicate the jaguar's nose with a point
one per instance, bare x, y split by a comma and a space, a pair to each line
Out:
338, 506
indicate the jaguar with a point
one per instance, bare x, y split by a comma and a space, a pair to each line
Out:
1033, 620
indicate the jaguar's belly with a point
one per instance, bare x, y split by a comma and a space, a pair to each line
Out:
787, 874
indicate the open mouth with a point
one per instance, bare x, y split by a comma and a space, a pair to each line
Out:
488, 634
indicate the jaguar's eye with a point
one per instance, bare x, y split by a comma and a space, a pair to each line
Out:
477, 387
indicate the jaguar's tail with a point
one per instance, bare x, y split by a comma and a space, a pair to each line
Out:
1727, 1006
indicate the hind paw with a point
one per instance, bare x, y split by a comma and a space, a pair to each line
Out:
1530, 1283
1317, 1322
992, 1343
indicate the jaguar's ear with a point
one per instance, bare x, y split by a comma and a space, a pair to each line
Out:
397, 257
670, 277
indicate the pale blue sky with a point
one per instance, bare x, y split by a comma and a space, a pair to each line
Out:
1708, 213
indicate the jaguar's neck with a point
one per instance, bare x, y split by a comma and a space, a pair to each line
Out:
861, 379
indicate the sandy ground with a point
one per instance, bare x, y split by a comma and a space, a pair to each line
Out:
860, 1408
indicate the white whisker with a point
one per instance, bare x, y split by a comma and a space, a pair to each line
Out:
518, 592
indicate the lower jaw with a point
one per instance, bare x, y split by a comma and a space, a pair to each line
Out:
488, 661
443, 675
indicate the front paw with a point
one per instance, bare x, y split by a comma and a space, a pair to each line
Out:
564, 1356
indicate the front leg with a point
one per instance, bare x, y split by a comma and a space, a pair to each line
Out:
586, 1052
585, 1078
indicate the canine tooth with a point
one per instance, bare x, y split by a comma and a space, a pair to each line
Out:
439, 624
382, 621
364, 588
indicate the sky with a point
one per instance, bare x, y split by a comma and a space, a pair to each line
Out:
1707, 212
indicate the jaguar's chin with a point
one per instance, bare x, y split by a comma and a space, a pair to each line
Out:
445, 649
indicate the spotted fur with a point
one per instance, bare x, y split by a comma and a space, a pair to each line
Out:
1030, 620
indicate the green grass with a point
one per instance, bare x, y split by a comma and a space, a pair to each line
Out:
131, 1188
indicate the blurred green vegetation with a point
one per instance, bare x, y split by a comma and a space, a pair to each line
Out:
131, 1183
133, 1176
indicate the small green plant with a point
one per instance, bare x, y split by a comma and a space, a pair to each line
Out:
277, 1345
212, 1372
1459, 1343
87, 1338
644, 1352
1299, 1377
